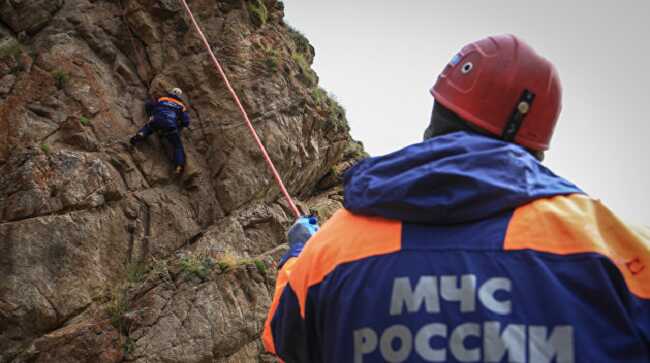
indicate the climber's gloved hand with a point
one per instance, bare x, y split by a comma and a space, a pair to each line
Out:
302, 230
298, 235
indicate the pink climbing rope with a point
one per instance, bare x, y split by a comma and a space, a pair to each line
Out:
217, 65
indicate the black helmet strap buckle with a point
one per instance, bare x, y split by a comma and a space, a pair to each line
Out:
521, 109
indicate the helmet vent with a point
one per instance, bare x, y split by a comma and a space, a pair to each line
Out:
467, 67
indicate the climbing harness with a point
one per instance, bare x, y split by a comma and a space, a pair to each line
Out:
217, 65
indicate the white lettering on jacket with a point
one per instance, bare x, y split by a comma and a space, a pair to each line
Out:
514, 343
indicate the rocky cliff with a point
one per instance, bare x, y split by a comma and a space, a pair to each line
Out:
105, 256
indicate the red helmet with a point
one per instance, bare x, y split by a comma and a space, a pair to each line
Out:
502, 86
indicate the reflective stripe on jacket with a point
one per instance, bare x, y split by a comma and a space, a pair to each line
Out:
168, 113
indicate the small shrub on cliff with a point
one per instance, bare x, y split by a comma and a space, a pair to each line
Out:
9, 47
84, 121
355, 150
337, 118
258, 12
160, 269
117, 307
256, 263
308, 75
272, 58
136, 272
60, 78
45, 148
261, 267
129, 346
334, 111
319, 96
197, 265
299, 39
227, 262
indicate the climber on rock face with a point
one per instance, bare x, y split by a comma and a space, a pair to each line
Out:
464, 247
167, 117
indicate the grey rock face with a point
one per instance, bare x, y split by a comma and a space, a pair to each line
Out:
105, 255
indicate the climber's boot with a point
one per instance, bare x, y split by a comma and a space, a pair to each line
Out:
178, 171
137, 138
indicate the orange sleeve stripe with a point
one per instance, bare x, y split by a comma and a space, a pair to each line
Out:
346, 237
280, 284
168, 99
578, 224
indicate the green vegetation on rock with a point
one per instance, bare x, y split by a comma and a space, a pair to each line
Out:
9, 47
60, 78
258, 12
84, 121
261, 267
227, 263
198, 265
117, 307
319, 96
45, 148
136, 272
272, 58
308, 76
334, 111
129, 346
299, 39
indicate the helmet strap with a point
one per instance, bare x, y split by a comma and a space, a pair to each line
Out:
521, 109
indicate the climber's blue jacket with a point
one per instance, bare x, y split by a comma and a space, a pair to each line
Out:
167, 113
464, 248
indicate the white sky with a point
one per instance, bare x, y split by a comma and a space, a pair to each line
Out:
381, 57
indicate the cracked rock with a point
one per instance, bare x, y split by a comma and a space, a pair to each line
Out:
105, 254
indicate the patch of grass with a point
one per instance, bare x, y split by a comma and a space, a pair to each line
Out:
84, 121
45, 148
9, 47
336, 110
60, 78
129, 346
258, 12
198, 265
117, 307
136, 272
299, 39
227, 262
261, 267
333, 109
257, 263
272, 63
308, 75
160, 268
272, 58
355, 150
337, 115
319, 96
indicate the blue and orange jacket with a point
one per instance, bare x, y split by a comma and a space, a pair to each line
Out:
168, 113
464, 248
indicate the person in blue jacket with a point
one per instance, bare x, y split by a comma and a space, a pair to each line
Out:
464, 247
167, 117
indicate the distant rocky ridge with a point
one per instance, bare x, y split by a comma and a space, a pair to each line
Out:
104, 255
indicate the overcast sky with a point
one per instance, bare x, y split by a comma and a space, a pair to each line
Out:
380, 58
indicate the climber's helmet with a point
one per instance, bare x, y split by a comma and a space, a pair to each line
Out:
176, 92
500, 85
